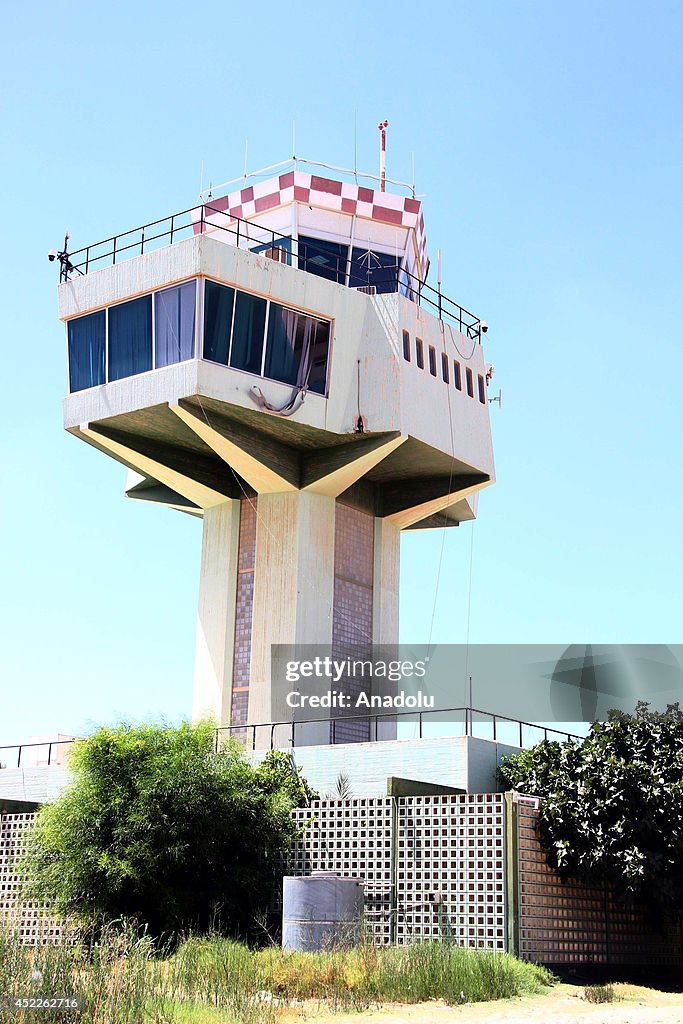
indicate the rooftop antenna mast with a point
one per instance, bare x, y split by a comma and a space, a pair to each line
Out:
383, 125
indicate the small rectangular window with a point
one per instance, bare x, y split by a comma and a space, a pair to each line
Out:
419, 353
246, 350
406, 346
457, 375
470, 382
482, 390
130, 338
444, 368
432, 360
174, 316
218, 307
86, 339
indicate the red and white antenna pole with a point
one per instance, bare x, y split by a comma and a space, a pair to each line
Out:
383, 125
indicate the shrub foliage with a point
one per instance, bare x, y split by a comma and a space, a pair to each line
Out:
612, 804
158, 827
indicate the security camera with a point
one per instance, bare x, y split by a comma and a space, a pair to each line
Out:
483, 326
52, 255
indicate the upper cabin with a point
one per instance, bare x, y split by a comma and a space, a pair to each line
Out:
300, 298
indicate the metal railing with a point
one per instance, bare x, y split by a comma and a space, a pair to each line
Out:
470, 717
21, 748
196, 220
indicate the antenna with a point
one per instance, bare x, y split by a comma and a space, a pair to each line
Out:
294, 140
383, 125
498, 398
355, 145
201, 179
412, 160
246, 154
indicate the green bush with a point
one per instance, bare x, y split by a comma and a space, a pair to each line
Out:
612, 804
159, 828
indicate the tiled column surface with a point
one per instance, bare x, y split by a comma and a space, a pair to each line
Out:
244, 604
352, 631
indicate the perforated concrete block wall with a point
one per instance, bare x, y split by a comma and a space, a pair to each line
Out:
30, 919
434, 866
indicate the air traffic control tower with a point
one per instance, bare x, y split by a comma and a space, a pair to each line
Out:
273, 362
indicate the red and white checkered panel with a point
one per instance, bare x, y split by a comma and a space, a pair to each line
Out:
326, 194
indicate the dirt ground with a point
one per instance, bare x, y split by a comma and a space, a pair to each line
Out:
563, 1004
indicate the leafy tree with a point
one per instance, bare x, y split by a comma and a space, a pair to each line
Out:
278, 773
159, 827
612, 804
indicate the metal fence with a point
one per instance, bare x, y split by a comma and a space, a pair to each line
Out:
279, 735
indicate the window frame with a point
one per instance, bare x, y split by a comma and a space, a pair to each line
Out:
419, 353
198, 334
470, 381
269, 301
457, 374
406, 346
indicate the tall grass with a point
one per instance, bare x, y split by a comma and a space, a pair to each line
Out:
109, 978
123, 980
357, 977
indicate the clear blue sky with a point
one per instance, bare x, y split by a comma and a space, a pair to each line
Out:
547, 139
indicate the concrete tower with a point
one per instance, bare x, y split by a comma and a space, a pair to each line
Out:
272, 362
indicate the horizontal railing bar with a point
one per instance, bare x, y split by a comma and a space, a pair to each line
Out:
294, 161
46, 743
397, 714
404, 278
488, 716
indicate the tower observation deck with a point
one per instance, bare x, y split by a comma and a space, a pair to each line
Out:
273, 362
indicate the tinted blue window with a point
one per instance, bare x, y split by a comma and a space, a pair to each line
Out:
324, 259
218, 303
174, 320
86, 337
130, 338
246, 352
377, 269
297, 348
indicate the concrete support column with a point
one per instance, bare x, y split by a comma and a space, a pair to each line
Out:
386, 583
293, 584
216, 614
385, 597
